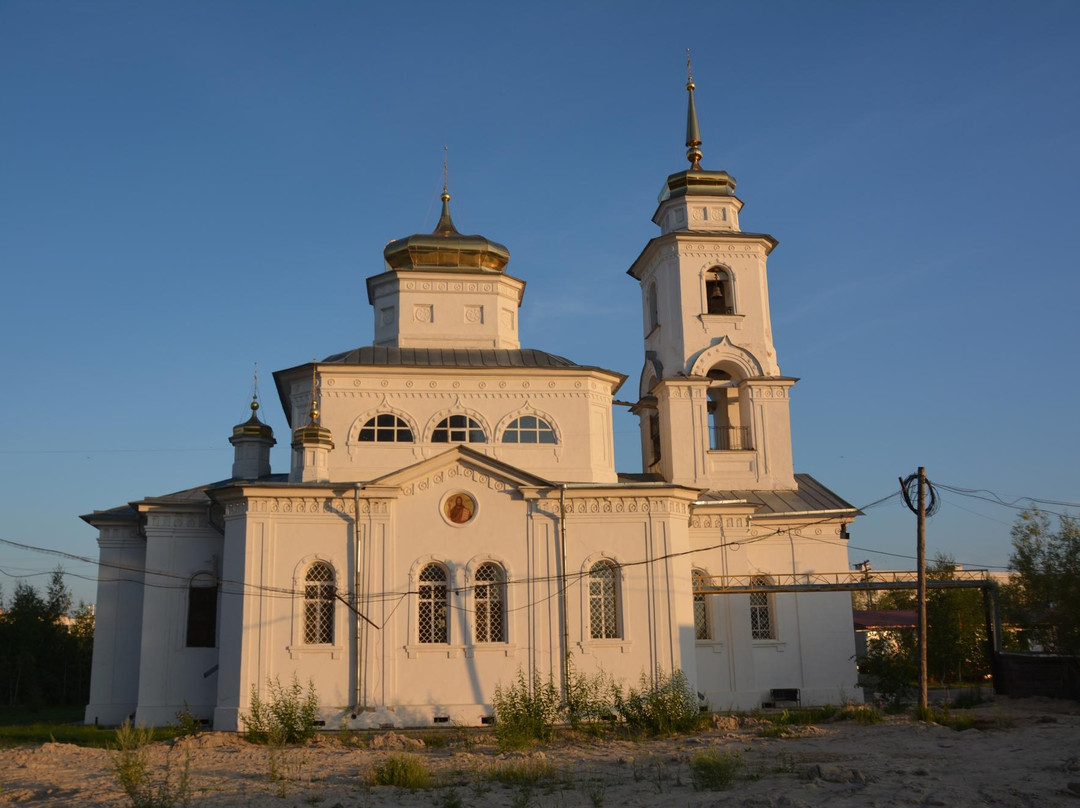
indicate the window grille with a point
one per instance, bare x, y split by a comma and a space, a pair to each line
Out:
603, 602
489, 597
432, 615
319, 605
762, 625
529, 429
202, 612
458, 429
386, 428
702, 624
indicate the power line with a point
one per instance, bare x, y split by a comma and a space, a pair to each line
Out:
567, 579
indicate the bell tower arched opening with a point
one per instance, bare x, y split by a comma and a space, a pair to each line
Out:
729, 431
719, 296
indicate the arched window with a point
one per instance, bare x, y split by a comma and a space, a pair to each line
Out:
319, 604
652, 306
654, 439
702, 618
489, 599
458, 429
762, 624
603, 601
718, 297
433, 625
202, 611
385, 428
529, 429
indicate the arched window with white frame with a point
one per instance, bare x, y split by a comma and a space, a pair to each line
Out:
319, 604
385, 427
489, 603
529, 429
604, 611
433, 599
458, 429
762, 614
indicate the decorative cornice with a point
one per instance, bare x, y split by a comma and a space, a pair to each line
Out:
495, 388
615, 505
718, 521
454, 473
289, 505
164, 520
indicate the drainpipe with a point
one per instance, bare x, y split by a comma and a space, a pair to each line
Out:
361, 631
562, 594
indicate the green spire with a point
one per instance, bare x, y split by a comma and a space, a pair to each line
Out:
693, 135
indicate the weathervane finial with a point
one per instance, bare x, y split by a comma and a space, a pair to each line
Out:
314, 412
445, 226
693, 135
255, 390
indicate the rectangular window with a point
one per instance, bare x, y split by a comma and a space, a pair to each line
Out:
202, 617
761, 622
603, 602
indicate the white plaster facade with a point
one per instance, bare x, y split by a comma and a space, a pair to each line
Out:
444, 449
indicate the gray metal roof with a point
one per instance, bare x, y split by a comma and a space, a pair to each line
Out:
454, 357
188, 496
809, 496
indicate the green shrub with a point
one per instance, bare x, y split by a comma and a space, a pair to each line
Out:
861, 714
402, 771
187, 722
524, 713
589, 699
132, 771
942, 715
714, 770
892, 663
287, 716
667, 706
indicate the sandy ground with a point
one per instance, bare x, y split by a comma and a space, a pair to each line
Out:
1024, 753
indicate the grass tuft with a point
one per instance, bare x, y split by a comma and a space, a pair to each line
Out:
402, 771
714, 770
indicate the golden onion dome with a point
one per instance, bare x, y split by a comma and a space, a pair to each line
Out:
446, 250
253, 427
312, 435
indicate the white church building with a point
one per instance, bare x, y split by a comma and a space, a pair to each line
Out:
452, 513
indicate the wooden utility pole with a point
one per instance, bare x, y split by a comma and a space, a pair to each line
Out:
921, 553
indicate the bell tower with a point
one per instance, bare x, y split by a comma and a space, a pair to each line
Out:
713, 406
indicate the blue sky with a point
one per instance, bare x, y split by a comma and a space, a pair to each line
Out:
189, 188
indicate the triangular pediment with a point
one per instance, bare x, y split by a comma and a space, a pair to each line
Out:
463, 462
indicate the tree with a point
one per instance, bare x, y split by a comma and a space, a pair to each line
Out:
956, 638
1044, 596
44, 654
956, 644
57, 596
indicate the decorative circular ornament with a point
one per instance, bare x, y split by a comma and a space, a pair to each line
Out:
458, 508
